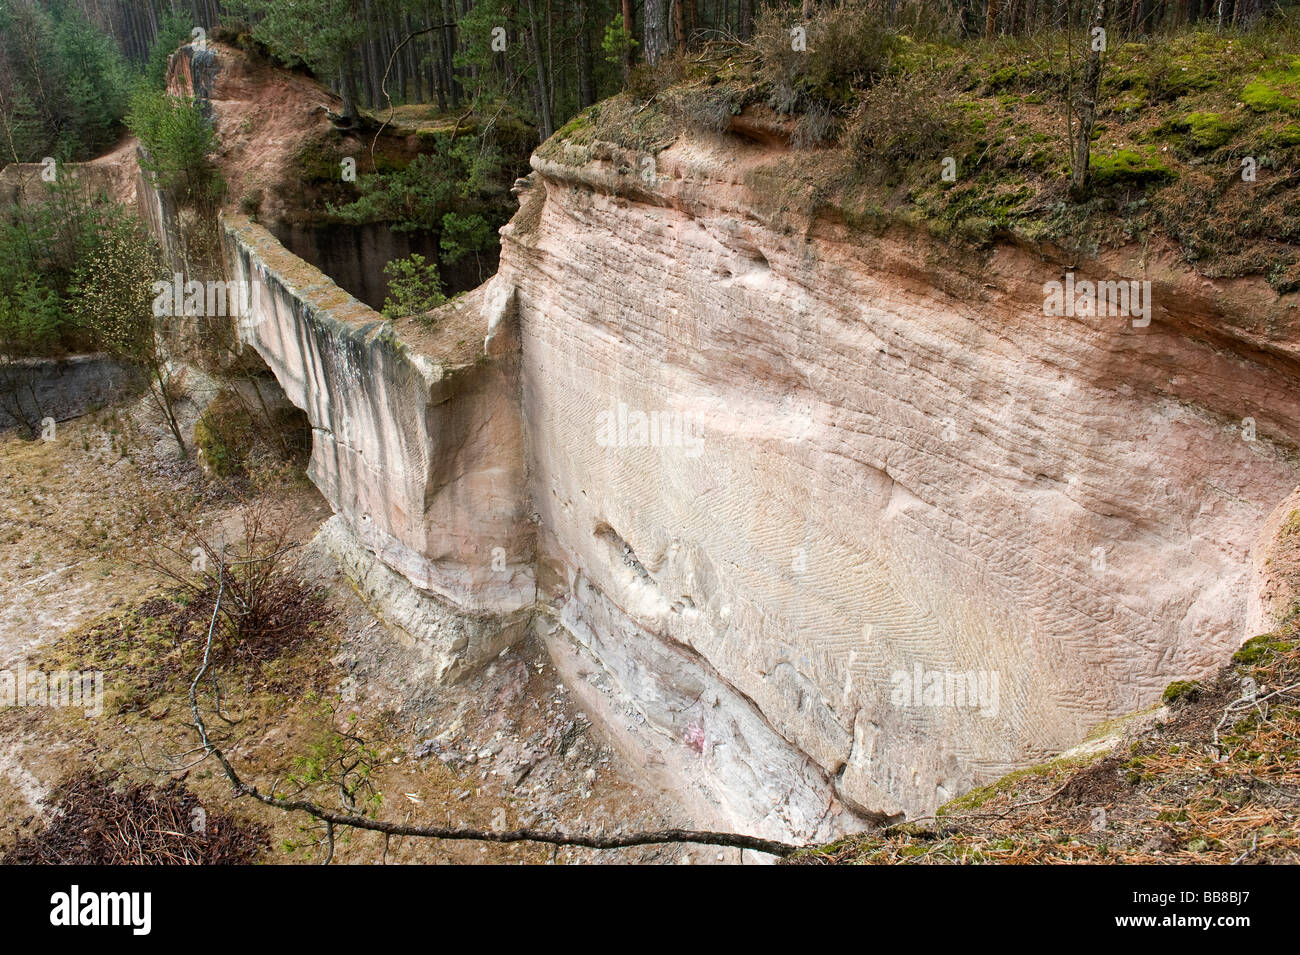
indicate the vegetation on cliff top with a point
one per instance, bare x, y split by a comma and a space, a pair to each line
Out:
1196, 135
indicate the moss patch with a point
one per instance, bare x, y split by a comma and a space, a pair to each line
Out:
1208, 130
1129, 166
237, 433
1275, 90
1181, 691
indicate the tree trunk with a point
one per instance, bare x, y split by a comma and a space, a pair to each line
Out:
435, 69
413, 63
656, 31
348, 88
586, 83
369, 58
629, 24
449, 51
543, 85
549, 19
159, 379
1087, 108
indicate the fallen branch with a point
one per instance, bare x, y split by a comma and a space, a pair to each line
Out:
1242, 703
548, 836
383, 86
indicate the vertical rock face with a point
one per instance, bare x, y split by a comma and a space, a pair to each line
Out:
868, 492
61, 388
820, 525
1277, 567
420, 457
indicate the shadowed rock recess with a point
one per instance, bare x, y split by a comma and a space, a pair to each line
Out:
822, 527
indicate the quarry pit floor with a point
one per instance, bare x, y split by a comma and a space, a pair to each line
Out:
503, 747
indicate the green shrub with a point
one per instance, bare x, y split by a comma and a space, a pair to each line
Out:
222, 458
240, 436
901, 120
618, 43
466, 176
32, 320
179, 142
224, 435
114, 292
414, 287
115, 295
464, 235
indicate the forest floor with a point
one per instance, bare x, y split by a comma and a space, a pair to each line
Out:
1197, 136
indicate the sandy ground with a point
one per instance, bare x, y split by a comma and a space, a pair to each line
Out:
506, 746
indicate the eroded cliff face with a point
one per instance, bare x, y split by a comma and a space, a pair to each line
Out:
897, 479
419, 456
821, 525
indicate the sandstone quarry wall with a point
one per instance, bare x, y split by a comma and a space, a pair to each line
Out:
33, 389
821, 525
421, 459
925, 530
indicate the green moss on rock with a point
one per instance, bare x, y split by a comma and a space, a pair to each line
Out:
1129, 166
1182, 691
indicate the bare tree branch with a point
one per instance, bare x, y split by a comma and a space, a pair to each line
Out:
548, 836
